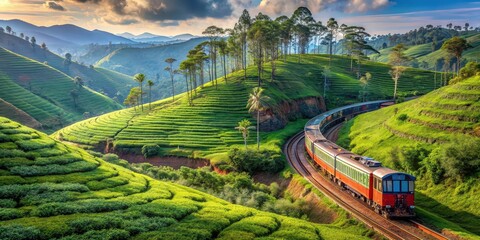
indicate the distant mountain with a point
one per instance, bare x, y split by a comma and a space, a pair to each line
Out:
112, 84
63, 36
186, 36
150, 37
151, 61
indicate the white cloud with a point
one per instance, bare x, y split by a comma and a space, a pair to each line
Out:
278, 7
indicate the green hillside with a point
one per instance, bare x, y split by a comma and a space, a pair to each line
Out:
423, 52
435, 137
44, 93
207, 129
99, 79
151, 62
50, 190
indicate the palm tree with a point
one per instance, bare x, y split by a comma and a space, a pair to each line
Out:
170, 70
150, 84
140, 77
244, 127
257, 102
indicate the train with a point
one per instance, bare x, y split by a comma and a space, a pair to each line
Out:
389, 192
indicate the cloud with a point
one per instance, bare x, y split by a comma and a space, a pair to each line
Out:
163, 10
278, 7
54, 5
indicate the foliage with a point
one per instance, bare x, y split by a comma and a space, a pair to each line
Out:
256, 160
470, 70
150, 150
402, 117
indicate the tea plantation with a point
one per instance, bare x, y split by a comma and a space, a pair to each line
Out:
50, 190
44, 93
207, 128
437, 138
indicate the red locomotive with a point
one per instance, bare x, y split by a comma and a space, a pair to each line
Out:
388, 192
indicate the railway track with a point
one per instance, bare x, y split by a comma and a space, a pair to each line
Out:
294, 149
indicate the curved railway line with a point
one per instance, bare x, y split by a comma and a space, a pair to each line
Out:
294, 149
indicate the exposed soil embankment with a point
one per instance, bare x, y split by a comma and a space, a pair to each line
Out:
277, 117
171, 161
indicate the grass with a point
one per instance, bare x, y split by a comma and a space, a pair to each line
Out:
433, 121
44, 93
206, 129
106, 201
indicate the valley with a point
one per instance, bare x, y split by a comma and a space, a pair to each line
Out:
234, 120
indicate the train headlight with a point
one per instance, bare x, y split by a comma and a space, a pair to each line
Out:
412, 207
388, 206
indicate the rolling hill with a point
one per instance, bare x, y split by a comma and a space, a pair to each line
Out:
50, 190
33, 93
423, 53
102, 80
435, 137
206, 129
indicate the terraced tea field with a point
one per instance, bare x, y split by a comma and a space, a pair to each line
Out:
442, 118
50, 190
99, 79
207, 127
44, 93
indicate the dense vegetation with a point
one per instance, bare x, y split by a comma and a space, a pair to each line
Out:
46, 95
433, 57
50, 190
113, 84
207, 128
436, 138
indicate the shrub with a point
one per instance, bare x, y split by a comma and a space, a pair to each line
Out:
19, 232
402, 117
10, 213
150, 150
108, 234
252, 161
7, 203
113, 158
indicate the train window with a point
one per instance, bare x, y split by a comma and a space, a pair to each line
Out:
404, 186
411, 186
396, 186
388, 186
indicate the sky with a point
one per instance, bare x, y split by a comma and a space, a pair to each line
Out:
171, 17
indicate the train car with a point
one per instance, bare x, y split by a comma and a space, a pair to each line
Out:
389, 192
393, 193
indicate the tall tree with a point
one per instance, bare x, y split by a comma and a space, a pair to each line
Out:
140, 78
455, 46
213, 33
150, 84
398, 60
303, 22
222, 46
286, 26
33, 41
243, 25
364, 80
9, 29
257, 37
170, 70
133, 98
244, 127
256, 103
332, 26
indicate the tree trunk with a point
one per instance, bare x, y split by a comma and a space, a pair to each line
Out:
188, 93
141, 95
173, 85
225, 68
395, 89
258, 129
